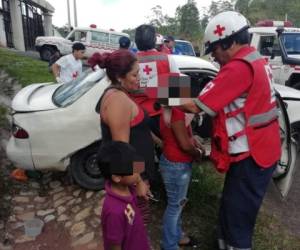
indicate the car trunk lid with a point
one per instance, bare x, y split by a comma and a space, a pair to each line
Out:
35, 97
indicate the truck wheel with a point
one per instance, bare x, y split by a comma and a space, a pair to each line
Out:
84, 168
46, 53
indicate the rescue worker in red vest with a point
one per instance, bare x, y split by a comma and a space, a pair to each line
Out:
245, 141
153, 64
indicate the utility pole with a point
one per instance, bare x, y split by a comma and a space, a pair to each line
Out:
75, 13
69, 18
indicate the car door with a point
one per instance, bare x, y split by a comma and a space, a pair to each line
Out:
283, 175
286, 166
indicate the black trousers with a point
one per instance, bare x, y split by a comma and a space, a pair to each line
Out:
244, 188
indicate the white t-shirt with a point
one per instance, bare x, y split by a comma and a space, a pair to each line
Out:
70, 68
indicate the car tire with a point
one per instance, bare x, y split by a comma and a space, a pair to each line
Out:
84, 168
45, 53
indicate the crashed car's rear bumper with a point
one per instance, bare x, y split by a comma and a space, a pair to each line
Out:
18, 151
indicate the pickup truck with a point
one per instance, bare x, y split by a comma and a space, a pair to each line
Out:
185, 47
95, 40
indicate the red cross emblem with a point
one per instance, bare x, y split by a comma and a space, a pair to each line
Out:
75, 74
219, 30
147, 69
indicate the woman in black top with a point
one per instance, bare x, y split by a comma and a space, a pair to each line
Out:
121, 118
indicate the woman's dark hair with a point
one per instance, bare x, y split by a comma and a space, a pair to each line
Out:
117, 63
145, 37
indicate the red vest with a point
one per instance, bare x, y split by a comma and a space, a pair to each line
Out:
152, 63
261, 119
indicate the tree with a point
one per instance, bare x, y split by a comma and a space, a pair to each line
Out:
158, 19
256, 10
220, 6
163, 23
189, 20
242, 6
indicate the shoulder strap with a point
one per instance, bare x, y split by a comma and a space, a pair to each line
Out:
97, 108
167, 113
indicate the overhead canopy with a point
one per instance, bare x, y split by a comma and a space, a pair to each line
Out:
44, 5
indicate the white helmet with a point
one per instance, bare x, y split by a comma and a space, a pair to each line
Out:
222, 26
159, 39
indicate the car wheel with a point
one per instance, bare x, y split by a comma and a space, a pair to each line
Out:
46, 53
84, 168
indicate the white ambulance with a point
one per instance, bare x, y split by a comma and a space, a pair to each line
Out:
279, 43
94, 39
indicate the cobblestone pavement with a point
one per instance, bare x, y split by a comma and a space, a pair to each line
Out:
64, 207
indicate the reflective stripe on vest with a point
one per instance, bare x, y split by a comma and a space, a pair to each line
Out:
149, 58
235, 123
263, 117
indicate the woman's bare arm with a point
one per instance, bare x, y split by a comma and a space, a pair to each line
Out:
117, 115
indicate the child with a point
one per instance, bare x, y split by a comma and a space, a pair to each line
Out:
121, 220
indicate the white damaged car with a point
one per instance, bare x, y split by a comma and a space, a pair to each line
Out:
56, 127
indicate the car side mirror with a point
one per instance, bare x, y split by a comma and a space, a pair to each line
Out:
275, 52
72, 39
197, 54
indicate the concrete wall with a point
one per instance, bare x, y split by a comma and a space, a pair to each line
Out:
48, 24
2, 32
16, 25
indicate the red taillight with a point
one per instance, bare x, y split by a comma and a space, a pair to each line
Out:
19, 132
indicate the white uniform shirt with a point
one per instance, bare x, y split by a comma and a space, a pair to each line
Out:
70, 68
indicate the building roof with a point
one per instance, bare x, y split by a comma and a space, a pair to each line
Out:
44, 4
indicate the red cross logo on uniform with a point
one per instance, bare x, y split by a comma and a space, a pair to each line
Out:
147, 69
219, 30
75, 74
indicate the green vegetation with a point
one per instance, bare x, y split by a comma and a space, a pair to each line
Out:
200, 215
189, 22
26, 70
